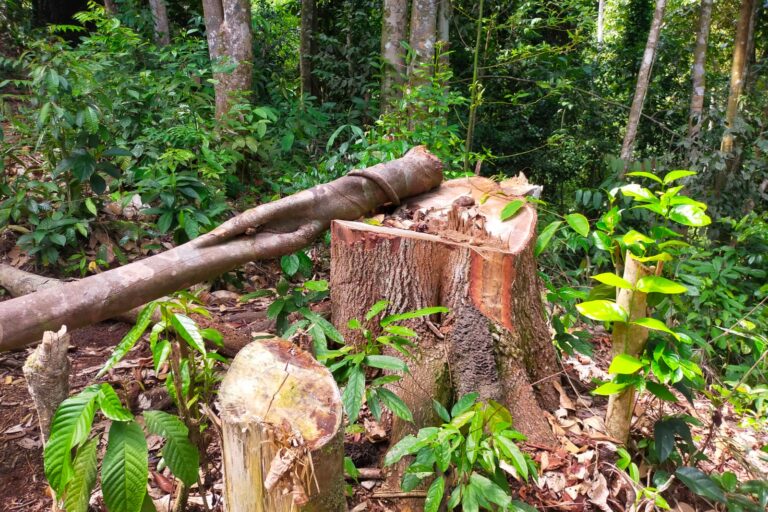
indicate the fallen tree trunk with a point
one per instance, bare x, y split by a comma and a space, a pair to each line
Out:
281, 427
267, 231
445, 248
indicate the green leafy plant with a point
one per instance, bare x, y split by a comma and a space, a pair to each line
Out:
469, 458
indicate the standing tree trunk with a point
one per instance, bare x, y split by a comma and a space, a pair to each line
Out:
698, 75
110, 8
228, 30
307, 47
393, 32
282, 444
444, 10
160, 16
457, 254
627, 339
423, 35
643, 79
600, 23
474, 89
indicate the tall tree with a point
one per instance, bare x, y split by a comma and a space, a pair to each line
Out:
393, 32
160, 17
110, 7
423, 32
307, 47
444, 9
228, 30
698, 72
600, 22
643, 79
738, 74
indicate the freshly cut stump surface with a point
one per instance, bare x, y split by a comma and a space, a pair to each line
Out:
281, 415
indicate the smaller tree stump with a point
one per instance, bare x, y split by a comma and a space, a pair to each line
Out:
281, 418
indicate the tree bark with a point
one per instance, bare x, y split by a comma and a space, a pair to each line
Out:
494, 340
423, 35
269, 230
228, 31
627, 339
600, 22
160, 17
698, 75
281, 427
110, 8
393, 32
307, 47
444, 13
643, 79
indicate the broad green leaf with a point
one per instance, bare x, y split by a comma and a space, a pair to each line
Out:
406, 446
511, 209
513, 455
395, 404
661, 391
662, 256
613, 280
463, 404
376, 309
701, 484
130, 339
413, 314
633, 237
350, 469
435, 495
111, 406
290, 264
352, 398
441, 411
689, 215
645, 175
474, 435
323, 324
546, 236
656, 325
610, 388
676, 175
490, 490
124, 469
189, 331
658, 284
578, 223
386, 363
635, 191
78, 490
665, 432
603, 311
69, 428
160, 353
624, 364
179, 453
316, 286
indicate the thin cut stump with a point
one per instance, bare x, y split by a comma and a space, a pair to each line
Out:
282, 442
457, 253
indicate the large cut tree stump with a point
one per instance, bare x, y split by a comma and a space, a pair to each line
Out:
450, 248
281, 426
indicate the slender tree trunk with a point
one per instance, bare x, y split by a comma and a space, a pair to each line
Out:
307, 47
738, 74
444, 11
228, 30
698, 74
110, 7
393, 32
423, 34
600, 22
643, 79
160, 16
474, 89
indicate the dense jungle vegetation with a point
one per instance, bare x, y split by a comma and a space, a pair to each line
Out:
130, 127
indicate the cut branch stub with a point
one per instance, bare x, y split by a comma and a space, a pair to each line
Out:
450, 248
281, 418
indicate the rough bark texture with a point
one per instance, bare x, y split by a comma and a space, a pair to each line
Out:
393, 32
307, 47
228, 30
627, 339
423, 33
110, 7
47, 373
494, 340
485, 275
270, 230
643, 79
160, 17
444, 13
698, 73
282, 442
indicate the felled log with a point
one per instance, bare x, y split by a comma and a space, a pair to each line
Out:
269, 230
281, 427
450, 248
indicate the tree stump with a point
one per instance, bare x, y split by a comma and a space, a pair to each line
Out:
281, 427
450, 248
